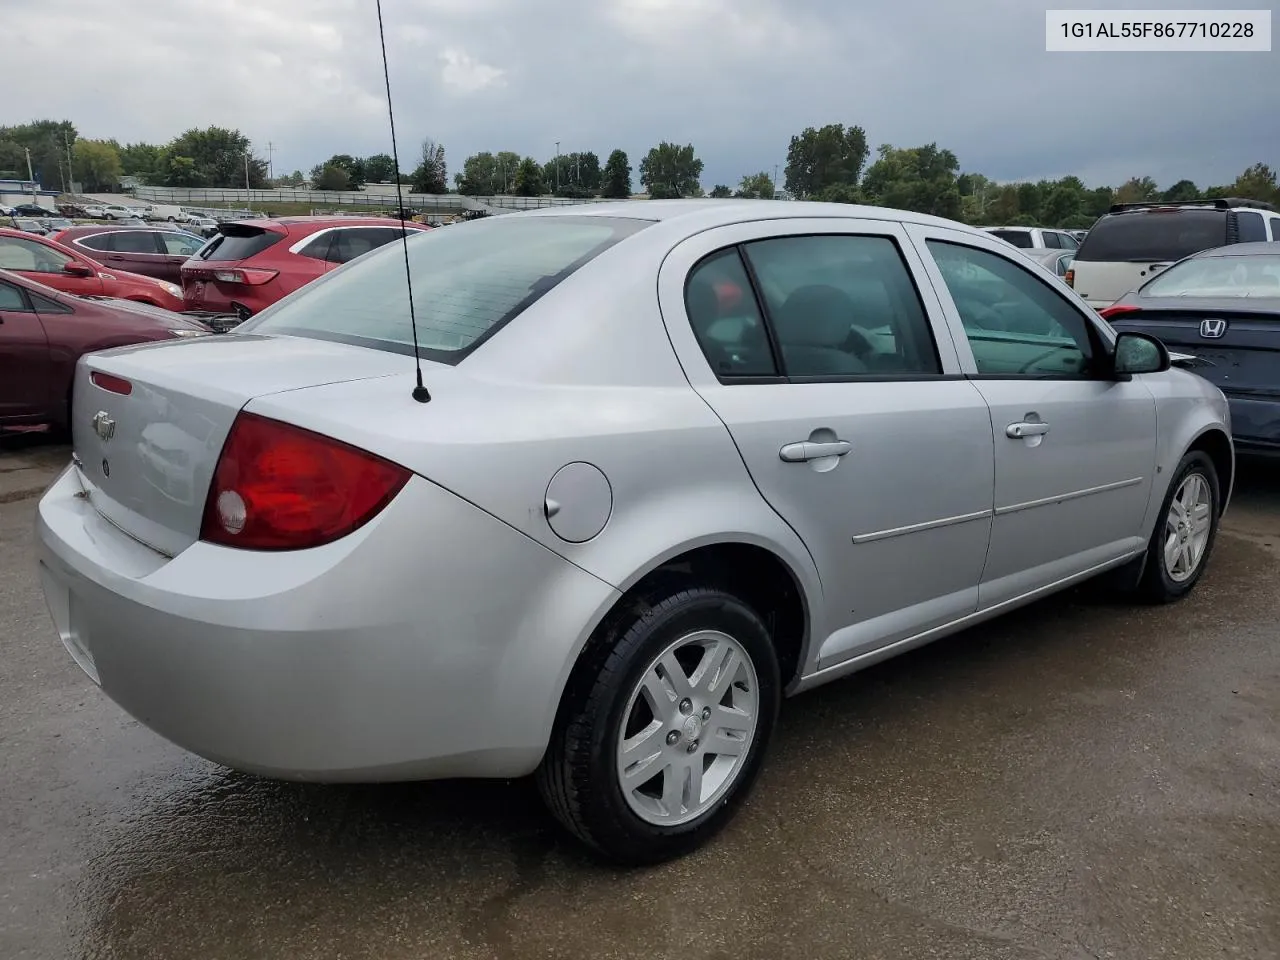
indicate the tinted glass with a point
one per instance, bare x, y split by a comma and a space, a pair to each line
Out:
133, 241
1151, 236
44, 304
352, 242
19, 254
99, 242
317, 248
1257, 276
1064, 264
843, 306
1275, 227
468, 280
11, 298
726, 318
240, 243
1019, 238
180, 245
1067, 241
1051, 239
1015, 324
1252, 227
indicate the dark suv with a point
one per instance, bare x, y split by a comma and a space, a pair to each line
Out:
1136, 240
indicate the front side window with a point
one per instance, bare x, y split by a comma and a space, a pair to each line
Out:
1015, 324
843, 306
1219, 277
29, 256
468, 281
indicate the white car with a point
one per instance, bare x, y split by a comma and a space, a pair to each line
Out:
1032, 238
114, 211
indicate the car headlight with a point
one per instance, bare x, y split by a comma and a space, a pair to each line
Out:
170, 288
192, 333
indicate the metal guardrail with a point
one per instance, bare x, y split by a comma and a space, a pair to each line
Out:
195, 198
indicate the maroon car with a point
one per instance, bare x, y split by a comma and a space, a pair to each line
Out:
151, 251
43, 333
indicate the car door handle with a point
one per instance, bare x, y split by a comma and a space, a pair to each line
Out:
813, 450
1023, 428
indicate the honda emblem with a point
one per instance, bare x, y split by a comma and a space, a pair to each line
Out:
1211, 328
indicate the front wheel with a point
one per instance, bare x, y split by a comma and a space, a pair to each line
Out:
1185, 533
663, 725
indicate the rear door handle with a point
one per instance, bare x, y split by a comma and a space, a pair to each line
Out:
813, 450
1023, 428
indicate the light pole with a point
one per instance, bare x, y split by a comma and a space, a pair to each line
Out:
557, 166
248, 200
31, 176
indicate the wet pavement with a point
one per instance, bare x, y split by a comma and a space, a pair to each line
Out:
1077, 780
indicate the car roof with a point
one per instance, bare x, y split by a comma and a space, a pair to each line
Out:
1251, 249
707, 213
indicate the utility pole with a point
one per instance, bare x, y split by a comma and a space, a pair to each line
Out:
247, 197
71, 170
271, 167
30, 175
557, 166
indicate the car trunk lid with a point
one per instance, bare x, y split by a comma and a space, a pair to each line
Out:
148, 422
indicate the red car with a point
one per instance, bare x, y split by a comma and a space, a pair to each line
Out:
250, 264
54, 265
151, 251
43, 333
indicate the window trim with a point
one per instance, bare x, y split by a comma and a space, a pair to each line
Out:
766, 317
1100, 344
155, 243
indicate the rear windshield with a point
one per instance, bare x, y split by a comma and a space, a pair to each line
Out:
1019, 238
468, 280
1219, 277
1154, 235
235, 242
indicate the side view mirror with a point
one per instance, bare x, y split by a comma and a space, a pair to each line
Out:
1139, 353
74, 269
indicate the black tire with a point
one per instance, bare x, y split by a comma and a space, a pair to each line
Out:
578, 775
1157, 586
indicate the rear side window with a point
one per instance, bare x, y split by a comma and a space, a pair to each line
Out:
132, 241
11, 299
843, 306
99, 241
351, 242
1252, 227
1051, 240
468, 281
44, 304
726, 319
1156, 235
236, 242
1019, 238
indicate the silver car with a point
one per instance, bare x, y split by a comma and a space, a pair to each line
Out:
668, 463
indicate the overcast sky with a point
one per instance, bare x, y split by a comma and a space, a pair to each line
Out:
734, 77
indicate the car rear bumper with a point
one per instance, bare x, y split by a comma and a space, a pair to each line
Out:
433, 642
1255, 424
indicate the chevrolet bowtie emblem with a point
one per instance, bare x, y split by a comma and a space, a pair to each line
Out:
103, 425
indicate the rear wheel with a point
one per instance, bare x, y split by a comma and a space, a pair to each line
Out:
663, 725
1185, 533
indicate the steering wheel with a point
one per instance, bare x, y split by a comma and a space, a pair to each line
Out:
858, 343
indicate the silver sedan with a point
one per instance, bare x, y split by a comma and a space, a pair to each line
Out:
666, 463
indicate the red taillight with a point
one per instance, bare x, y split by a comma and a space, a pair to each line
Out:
111, 384
1106, 313
280, 487
1070, 277
245, 275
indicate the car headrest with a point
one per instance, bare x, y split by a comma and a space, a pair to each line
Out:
818, 316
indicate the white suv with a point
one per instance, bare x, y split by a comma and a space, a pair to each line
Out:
1032, 238
1135, 240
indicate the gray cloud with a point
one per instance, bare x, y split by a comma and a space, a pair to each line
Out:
735, 77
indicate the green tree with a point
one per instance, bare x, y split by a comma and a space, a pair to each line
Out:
96, 164
480, 175
839, 193
1062, 202
47, 140
179, 171
380, 168
528, 178
1181, 191
616, 182
670, 170
756, 186
818, 158
142, 160
331, 177
431, 174
1137, 190
1257, 183
922, 179
720, 192
1098, 201
220, 157
295, 179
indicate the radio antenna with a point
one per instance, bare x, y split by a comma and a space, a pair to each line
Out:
420, 392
